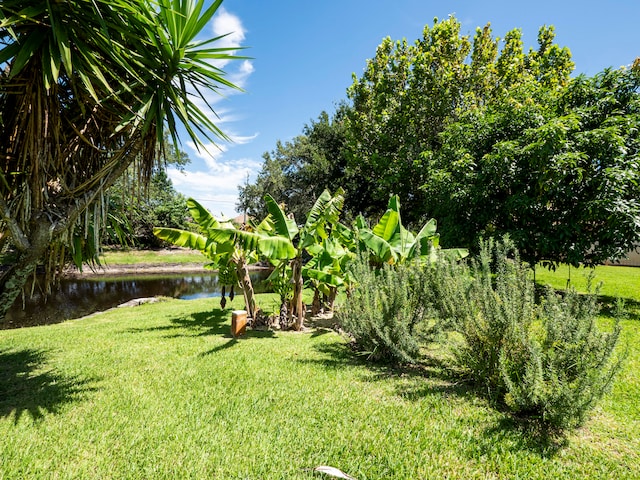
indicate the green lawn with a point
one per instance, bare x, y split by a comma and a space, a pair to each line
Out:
617, 281
134, 257
163, 391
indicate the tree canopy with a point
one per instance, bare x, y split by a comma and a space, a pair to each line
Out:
488, 139
557, 170
409, 93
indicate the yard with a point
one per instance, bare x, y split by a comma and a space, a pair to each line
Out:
163, 391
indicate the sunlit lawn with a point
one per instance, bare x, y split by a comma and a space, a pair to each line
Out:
134, 257
617, 281
163, 391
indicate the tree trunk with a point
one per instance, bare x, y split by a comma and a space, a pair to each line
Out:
316, 306
14, 279
296, 265
333, 291
284, 314
247, 287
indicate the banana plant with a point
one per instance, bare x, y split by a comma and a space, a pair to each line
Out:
321, 219
389, 242
227, 246
327, 270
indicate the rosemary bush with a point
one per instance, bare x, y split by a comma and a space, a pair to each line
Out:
568, 364
388, 315
547, 361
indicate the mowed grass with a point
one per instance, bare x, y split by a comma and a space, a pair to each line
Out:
617, 281
135, 257
162, 391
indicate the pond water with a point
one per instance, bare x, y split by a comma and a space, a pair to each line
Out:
78, 297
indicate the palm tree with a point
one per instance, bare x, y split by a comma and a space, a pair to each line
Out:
87, 88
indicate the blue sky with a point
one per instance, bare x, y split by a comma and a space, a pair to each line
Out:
304, 54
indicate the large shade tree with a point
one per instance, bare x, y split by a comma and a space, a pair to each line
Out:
556, 169
87, 87
409, 93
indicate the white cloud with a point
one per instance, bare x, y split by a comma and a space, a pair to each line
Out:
240, 77
216, 189
208, 153
212, 154
241, 140
213, 179
225, 23
230, 28
209, 183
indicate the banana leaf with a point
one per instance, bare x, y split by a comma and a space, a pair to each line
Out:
378, 246
184, 238
283, 225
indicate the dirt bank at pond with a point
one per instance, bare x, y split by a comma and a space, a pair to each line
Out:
135, 269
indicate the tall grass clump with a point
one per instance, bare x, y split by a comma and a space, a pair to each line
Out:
388, 314
546, 361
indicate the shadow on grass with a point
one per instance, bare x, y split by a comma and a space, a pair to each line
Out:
28, 386
235, 340
608, 307
608, 304
434, 376
519, 434
319, 331
200, 324
429, 376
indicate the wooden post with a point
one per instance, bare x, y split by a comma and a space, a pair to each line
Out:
238, 323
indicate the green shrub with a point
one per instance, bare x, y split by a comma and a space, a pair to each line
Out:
568, 363
487, 309
547, 362
388, 314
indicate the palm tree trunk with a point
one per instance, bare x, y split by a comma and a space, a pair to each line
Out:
13, 280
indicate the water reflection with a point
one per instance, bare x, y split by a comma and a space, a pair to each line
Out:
82, 296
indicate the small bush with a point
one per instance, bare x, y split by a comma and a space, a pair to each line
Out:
567, 365
388, 313
547, 362
488, 310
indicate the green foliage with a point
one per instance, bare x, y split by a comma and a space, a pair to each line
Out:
409, 94
546, 362
556, 169
133, 211
326, 267
388, 313
485, 137
297, 172
390, 242
87, 89
228, 248
560, 372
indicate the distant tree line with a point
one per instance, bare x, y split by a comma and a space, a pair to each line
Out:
134, 208
486, 138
